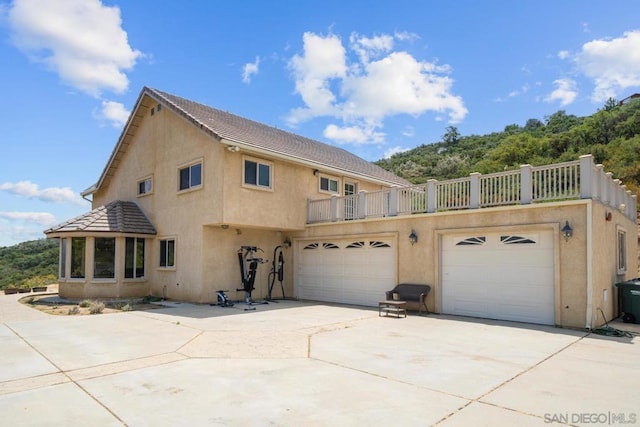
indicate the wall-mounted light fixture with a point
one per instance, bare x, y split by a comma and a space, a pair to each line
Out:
566, 231
286, 243
233, 148
316, 172
622, 207
413, 237
607, 216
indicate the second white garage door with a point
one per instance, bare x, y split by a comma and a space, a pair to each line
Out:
508, 276
349, 271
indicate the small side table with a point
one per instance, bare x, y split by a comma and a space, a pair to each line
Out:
396, 308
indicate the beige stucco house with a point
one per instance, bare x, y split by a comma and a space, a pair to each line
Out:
187, 186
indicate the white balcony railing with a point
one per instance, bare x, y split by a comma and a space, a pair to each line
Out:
580, 179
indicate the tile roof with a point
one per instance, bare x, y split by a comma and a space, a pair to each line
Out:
250, 133
116, 217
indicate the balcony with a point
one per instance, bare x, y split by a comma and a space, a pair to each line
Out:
579, 179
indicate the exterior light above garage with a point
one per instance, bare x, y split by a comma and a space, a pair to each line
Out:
567, 231
413, 237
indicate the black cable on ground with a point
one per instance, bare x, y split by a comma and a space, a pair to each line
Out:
610, 331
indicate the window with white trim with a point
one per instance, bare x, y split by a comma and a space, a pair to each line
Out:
167, 253
78, 245
329, 185
63, 257
257, 173
134, 258
104, 258
145, 186
190, 176
621, 250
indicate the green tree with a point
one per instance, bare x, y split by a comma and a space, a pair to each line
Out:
451, 136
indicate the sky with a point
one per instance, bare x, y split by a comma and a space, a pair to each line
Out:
373, 77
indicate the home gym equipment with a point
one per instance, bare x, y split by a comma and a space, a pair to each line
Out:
277, 272
223, 300
248, 266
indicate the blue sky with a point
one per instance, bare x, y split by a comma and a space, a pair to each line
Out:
375, 77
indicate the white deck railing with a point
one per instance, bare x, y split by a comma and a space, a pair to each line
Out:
580, 179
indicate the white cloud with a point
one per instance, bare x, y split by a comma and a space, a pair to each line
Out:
370, 82
394, 150
409, 131
114, 112
406, 36
367, 48
16, 227
250, 69
565, 92
613, 64
81, 40
353, 134
45, 219
324, 59
29, 190
563, 54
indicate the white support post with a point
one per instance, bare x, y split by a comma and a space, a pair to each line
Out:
474, 185
362, 204
616, 199
334, 208
598, 181
586, 176
607, 186
393, 201
526, 184
431, 195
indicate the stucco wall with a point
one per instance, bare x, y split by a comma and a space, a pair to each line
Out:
606, 223
420, 263
205, 253
220, 265
284, 207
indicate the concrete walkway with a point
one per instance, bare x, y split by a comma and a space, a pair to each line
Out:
303, 364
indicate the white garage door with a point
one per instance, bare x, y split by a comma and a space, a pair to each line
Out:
508, 276
349, 271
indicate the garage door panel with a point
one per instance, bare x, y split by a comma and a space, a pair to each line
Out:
508, 276
358, 272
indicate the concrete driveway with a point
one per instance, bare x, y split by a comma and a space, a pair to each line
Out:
304, 364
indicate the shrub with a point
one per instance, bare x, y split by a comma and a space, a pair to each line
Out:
128, 307
96, 307
73, 310
86, 303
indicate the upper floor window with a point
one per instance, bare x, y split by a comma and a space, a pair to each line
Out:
145, 186
257, 173
190, 176
329, 185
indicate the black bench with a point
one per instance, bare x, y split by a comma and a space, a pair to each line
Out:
413, 293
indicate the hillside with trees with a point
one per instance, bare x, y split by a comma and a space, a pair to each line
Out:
612, 135
29, 264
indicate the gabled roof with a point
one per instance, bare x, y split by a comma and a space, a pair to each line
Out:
248, 134
115, 217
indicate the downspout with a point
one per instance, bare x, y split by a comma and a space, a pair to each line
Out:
589, 230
